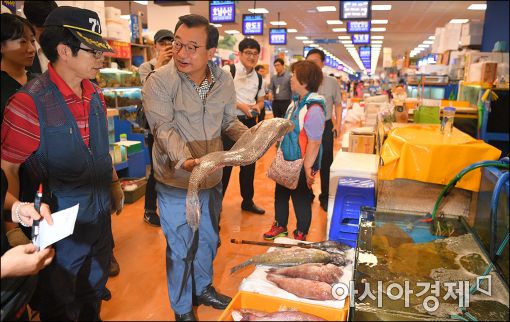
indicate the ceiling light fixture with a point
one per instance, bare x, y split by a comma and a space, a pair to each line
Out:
423, 46
326, 8
432, 37
142, 2
258, 10
428, 42
378, 29
278, 23
377, 41
301, 37
380, 22
307, 41
314, 45
381, 7
377, 37
459, 20
346, 41
334, 22
344, 37
478, 6
339, 30
232, 32
217, 25
291, 30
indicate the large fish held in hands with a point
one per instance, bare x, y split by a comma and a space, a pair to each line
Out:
292, 257
252, 315
303, 288
250, 147
327, 273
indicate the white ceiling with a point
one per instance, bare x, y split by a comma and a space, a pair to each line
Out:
409, 22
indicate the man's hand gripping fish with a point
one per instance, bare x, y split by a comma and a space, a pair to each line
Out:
249, 148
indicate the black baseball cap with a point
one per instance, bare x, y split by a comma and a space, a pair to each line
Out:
162, 34
82, 23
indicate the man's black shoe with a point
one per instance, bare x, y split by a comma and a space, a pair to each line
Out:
210, 297
190, 316
253, 208
324, 206
152, 218
114, 269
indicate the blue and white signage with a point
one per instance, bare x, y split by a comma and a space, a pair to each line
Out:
365, 55
358, 26
253, 25
360, 39
277, 36
306, 49
355, 10
222, 11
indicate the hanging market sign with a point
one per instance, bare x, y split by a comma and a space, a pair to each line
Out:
355, 10
277, 36
253, 25
358, 26
360, 39
222, 11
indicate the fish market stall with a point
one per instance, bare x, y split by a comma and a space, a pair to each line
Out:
307, 286
404, 272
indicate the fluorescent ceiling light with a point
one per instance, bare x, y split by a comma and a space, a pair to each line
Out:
346, 41
380, 22
376, 45
125, 17
326, 8
307, 41
381, 7
231, 32
291, 30
143, 2
301, 37
278, 23
432, 37
378, 29
423, 46
377, 42
459, 20
217, 25
428, 42
478, 6
377, 37
314, 45
339, 30
334, 22
348, 45
344, 37
258, 10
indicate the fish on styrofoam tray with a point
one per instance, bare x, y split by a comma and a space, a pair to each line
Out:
256, 282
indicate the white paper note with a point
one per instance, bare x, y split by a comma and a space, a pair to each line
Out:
63, 226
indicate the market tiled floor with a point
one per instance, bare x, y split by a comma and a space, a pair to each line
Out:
139, 292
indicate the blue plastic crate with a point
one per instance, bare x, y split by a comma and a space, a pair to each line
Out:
351, 195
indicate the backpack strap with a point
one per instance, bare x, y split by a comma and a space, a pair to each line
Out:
259, 87
232, 70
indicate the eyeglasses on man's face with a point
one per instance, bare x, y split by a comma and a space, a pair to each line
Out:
251, 53
96, 53
189, 47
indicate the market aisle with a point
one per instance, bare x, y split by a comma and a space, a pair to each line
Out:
139, 292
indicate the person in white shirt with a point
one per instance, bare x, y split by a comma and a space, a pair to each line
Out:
36, 13
250, 92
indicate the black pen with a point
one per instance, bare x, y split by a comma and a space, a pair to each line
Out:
35, 223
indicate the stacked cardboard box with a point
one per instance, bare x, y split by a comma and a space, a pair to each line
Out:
471, 34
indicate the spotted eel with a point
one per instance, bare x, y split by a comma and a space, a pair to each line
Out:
250, 147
